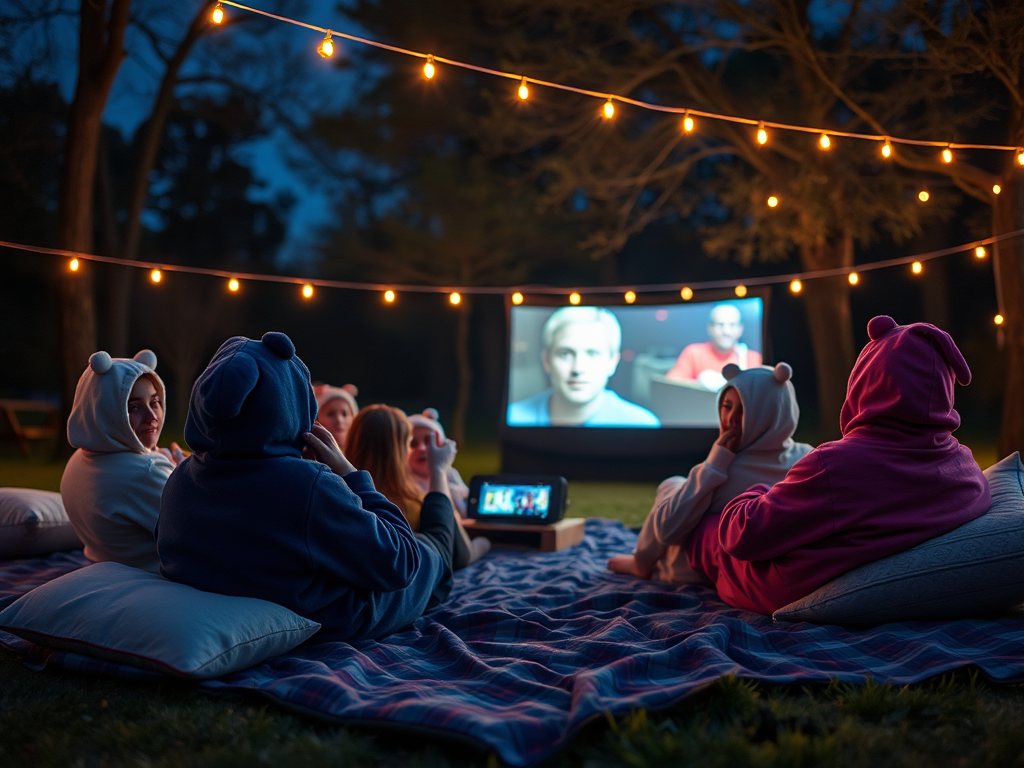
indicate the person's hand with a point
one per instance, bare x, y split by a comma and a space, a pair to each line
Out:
440, 455
626, 564
711, 380
321, 446
174, 453
729, 439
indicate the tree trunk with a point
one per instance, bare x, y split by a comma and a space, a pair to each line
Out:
1008, 255
465, 371
827, 302
99, 58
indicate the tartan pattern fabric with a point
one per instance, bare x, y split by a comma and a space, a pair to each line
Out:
533, 645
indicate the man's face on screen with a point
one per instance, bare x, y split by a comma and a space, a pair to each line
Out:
580, 361
725, 327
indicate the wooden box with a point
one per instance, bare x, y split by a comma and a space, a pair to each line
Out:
547, 538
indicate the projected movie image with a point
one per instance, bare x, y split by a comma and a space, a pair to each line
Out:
647, 366
523, 500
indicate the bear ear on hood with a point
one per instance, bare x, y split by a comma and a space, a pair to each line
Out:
147, 357
223, 394
947, 348
783, 372
879, 326
279, 344
731, 371
100, 362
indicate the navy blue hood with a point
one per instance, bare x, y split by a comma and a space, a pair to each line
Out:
254, 400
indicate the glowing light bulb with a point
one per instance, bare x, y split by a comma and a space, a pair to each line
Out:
429, 70
688, 124
996, 189
574, 298
923, 196
741, 291
998, 319
887, 149
517, 298
156, 276
609, 110
455, 298
73, 265
947, 155
217, 17
917, 268
1020, 157
630, 297
824, 142
307, 291
686, 294
772, 201
762, 134
233, 285
524, 91
854, 278
796, 286
326, 47
980, 252
389, 296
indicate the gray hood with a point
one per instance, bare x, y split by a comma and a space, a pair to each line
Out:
770, 411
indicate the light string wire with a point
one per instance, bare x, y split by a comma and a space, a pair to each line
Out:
625, 99
530, 289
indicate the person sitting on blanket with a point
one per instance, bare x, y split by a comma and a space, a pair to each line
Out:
897, 478
337, 407
426, 427
268, 506
758, 415
379, 441
112, 484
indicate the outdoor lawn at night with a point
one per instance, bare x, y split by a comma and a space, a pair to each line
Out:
511, 383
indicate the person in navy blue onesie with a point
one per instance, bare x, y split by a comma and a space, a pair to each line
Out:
251, 513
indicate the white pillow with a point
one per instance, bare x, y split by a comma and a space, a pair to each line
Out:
973, 570
125, 615
33, 523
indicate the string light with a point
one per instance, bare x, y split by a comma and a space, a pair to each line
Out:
980, 252
854, 278
217, 17
574, 298
824, 142
886, 149
688, 124
389, 296
326, 47
796, 286
454, 298
947, 155
998, 319
630, 297
609, 110
762, 134
429, 70
156, 276
996, 189
686, 294
772, 201
73, 265
524, 91
741, 291
923, 196
917, 268
307, 291
517, 298
1020, 156
233, 285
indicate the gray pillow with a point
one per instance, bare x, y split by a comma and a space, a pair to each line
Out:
125, 615
33, 523
974, 570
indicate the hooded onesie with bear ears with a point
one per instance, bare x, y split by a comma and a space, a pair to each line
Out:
247, 515
897, 478
112, 484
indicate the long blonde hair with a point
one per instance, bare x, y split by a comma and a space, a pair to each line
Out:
378, 441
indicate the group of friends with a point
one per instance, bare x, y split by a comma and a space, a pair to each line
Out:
351, 517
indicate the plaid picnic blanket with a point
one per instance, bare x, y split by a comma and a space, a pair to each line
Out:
533, 645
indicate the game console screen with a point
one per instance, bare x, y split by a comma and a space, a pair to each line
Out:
519, 500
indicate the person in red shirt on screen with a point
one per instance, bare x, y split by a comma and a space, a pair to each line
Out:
702, 362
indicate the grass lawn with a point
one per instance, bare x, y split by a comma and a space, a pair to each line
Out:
57, 718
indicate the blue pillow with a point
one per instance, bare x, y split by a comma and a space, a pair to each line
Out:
122, 614
974, 570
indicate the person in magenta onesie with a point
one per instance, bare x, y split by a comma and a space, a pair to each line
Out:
897, 478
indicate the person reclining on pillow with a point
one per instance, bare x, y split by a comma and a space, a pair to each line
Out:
112, 484
250, 513
897, 478
758, 415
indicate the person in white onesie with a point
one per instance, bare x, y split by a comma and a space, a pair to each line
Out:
758, 415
